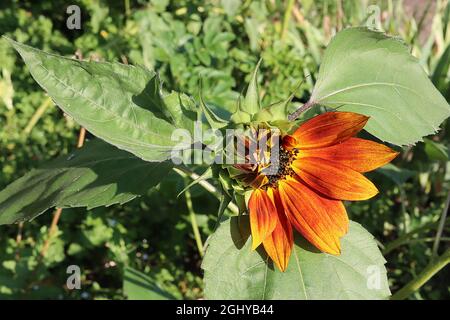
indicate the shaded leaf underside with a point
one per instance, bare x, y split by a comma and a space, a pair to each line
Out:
96, 175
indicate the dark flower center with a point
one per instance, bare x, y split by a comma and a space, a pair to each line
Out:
280, 166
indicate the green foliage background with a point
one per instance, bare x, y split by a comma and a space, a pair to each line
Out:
219, 42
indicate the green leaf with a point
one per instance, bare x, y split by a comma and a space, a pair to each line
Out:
139, 286
96, 175
370, 73
225, 200
436, 151
439, 77
397, 175
234, 271
240, 116
240, 202
180, 109
231, 7
446, 20
119, 103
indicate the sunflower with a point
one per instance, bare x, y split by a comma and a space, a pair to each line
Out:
318, 166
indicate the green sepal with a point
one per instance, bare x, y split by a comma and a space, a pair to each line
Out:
213, 119
204, 176
251, 103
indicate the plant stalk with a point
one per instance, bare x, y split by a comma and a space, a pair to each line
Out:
194, 224
408, 237
440, 228
51, 231
37, 115
286, 18
423, 277
308, 105
182, 171
127, 7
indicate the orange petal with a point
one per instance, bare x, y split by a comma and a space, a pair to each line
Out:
333, 179
320, 220
279, 244
263, 216
359, 154
289, 142
328, 129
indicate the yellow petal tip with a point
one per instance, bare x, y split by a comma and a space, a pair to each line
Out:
255, 244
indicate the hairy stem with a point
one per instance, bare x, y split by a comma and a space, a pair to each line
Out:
308, 105
194, 224
423, 277
51, 231
182, 171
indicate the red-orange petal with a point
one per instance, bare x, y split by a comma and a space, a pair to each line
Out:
359, 154
279, 244
334, 180
263, 216
328, 129
320, 220
289, 142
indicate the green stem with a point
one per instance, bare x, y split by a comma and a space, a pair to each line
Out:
423, 277
403, 207
127, 8
37, 115
308, 105
441, 227
406, 238
185, 172
198, 238
287, 18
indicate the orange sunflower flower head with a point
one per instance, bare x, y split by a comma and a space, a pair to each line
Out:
299, 181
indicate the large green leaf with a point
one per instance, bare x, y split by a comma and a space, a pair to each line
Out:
121, 104
96, 175
139, 286
234, 271
370, 73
